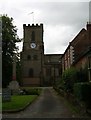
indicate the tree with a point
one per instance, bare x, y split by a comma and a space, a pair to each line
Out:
9, 40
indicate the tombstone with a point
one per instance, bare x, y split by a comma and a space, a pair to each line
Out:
13, 85
6, 95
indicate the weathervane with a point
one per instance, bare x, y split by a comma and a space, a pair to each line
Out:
32, 13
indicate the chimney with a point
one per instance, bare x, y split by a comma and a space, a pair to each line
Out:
89, 32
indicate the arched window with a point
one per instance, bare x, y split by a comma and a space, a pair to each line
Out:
31, 72
33, 36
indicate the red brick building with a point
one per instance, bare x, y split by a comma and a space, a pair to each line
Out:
78, 53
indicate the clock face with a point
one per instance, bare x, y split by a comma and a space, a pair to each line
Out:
33, 45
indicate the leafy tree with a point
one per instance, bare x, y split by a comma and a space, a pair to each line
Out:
9, 40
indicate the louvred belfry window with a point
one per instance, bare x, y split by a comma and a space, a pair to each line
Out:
33, 36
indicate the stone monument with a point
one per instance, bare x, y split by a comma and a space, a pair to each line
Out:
14, 85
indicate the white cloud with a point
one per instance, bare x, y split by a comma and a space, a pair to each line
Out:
56, 38
62, 20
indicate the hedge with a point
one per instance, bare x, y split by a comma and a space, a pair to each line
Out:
82, 92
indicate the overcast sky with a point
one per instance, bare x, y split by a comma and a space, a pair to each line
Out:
62, 20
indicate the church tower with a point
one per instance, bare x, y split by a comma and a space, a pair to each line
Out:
32, 55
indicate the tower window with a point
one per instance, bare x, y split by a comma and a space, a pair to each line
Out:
28, 57
31, 72
33, 36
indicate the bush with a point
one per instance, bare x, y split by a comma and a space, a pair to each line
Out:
72, 76
69, 77
31, 91
82, 92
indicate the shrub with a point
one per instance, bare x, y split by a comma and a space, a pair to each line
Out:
82, 92
69, 77
31, 91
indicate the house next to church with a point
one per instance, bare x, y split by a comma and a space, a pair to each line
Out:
78, 52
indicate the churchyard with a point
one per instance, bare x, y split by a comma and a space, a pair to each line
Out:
19, 101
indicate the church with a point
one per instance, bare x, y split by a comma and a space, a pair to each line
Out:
38, 69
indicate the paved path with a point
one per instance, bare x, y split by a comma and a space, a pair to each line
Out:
48, 105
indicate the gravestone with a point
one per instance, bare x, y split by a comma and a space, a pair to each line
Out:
14, 87
6, 95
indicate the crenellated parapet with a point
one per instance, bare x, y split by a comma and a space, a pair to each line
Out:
33, 25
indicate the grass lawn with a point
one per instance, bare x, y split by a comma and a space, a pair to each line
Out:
18, 102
